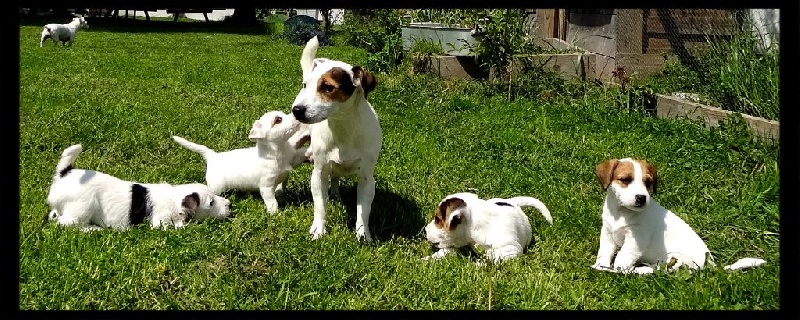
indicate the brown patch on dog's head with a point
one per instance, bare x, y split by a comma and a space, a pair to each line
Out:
623, 173
191, 202
604, 172
649, 176
442, 215
368, 81
335, 85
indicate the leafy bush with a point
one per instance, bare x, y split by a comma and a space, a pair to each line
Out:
300, 34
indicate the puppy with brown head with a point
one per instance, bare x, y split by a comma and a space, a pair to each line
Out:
637, 232
498, 226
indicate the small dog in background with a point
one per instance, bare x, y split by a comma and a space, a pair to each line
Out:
497, 225
93, 200
637, 232
63, 32
264, 167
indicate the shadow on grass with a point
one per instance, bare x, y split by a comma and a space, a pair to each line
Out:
392, 215
138, 25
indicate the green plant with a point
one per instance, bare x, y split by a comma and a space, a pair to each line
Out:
378, 32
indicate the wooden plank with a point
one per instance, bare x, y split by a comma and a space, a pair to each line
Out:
599, 67
672, 107
547, 23
569, 65
629, 30
640, 64
562, 24
691, 21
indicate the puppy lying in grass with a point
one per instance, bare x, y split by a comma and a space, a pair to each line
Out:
264, 167
499, 226
93, 200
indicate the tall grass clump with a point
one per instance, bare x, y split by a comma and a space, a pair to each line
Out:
731, 74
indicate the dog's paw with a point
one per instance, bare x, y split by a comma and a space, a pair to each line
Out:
601, 267
317, 231
363, 235
271, 206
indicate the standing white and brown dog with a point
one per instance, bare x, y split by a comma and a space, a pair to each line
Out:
638, 234
63, 32
264, 167
94, 200
345, 132
498, 226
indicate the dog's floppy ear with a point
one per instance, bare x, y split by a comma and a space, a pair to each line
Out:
654, 174
365, 79
604, 171
257, 131
190, 203
446, 209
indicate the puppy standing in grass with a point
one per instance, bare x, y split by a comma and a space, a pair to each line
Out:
497, 225
93, 200
264, 167
637, 230
63, 32
345, 132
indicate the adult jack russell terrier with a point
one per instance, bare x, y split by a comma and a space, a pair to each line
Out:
496, 225
63, 32
640, 231
345, 132
94, 200
264, 167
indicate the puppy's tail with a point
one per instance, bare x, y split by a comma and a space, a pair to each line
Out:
532, 202
201, 149
745, 263
67, 158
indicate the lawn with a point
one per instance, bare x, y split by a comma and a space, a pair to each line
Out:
123, 92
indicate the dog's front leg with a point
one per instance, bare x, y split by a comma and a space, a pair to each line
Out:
268, 195
606, 251
503, 253
320, 181
440, 254
366, 192
629, 253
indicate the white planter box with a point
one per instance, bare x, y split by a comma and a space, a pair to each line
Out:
449, 38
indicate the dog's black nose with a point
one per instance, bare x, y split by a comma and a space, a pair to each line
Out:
640, 200
299, 112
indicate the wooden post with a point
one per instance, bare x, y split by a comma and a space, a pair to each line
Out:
562, 24
547, 23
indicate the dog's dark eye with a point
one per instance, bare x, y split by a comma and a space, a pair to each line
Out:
326, 88
436, 220
277, 120
626, 180
211, 203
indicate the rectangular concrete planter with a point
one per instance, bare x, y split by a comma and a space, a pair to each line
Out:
673, 107
449, 38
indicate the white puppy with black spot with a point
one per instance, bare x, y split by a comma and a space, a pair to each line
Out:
345, 133
63, 32
265, 167
638, 234
497, 226
92, 200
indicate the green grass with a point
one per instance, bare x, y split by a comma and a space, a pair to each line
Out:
123, 94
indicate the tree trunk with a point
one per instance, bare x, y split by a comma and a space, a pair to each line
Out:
326, 16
